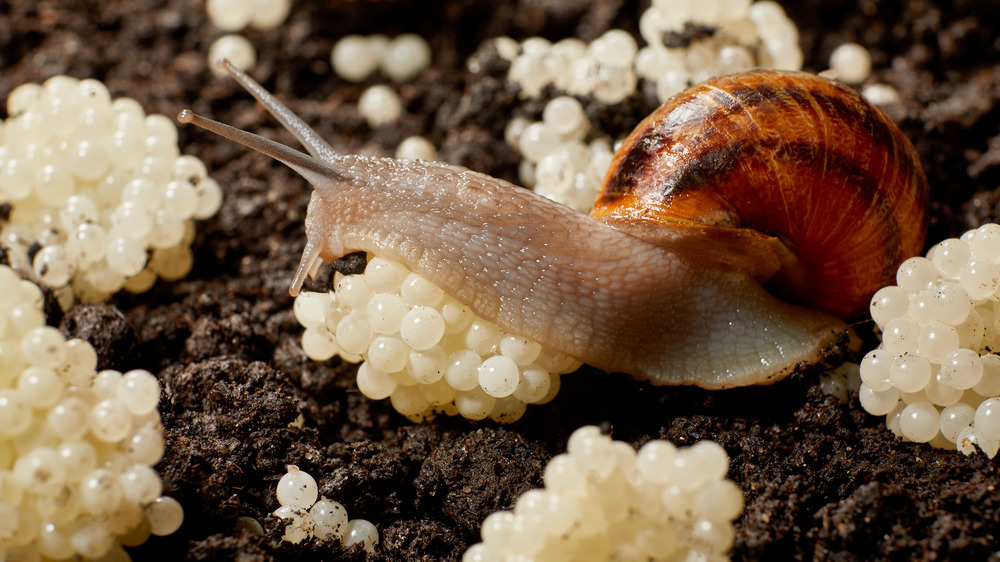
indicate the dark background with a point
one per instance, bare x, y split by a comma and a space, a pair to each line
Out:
823, 480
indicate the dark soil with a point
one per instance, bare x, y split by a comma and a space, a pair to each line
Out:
823, 480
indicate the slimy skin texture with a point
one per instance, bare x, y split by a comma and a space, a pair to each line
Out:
547, 272
669, 312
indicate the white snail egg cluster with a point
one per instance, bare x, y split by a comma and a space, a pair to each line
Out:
743, 36
558, 163
936, 375
356, 57
852, 62
602, 501
307, 517
379, 105
234, 15
424, 350
100, 198
76, 446
237, 49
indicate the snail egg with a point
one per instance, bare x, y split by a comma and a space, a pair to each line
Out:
878, 402
40, 387
954, 419
109, 486
916, 274
388, 353
474, 404
615, 47
961, 369
852, 62
126, 256
353, 59
181, 198
383, 276
951, 306
39, 469
386, 312
319, 344
499, 376
422, 327
297, 488
521, 350
987, 418
110, 421
935, 340
425, 351
209, 198
405, 56
733, 59
379, 105
418, 291
354, 333
980, 278
579, 501
236, 48
353, 291
15, 413
300, 524
463, 369
482, 337
361, 531
69, 417
229, 15
986, 242
427, 366
949, 256
952, 303
268, 14
923, 307
416, 148
989, 384
919, 421
900, 336
139, 390
54, 266
145, 446
563, 115
941, 394
375, 384
536, 141
165, 515
44, 347
534, 385
330, 518
880, 94
410, 401
140, 484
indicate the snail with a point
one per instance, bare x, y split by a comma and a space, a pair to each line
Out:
777, 178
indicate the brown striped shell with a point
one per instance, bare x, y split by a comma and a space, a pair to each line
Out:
801, 172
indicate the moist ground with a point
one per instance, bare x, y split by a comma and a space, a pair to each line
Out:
823, 480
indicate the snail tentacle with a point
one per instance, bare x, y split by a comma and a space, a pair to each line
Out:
323, 174
295, 125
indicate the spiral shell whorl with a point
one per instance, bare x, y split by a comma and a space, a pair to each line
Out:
792, 156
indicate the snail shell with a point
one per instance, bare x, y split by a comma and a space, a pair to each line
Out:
783, 159
674, 301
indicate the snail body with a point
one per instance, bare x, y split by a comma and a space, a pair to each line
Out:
677, 307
